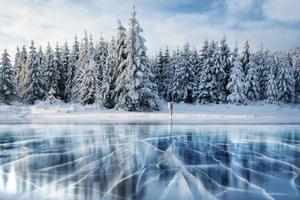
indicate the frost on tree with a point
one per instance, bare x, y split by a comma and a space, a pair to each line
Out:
108, 86
35, 87
296, 67
8, 84
184, 77
219, 66
158, 73
272, 90
81, 62
236, 85
20, 69
135, 84
252, 82
225, 55
88, 76
51, 71
245, 57
285, 81
208, 85
71, 70
65, 56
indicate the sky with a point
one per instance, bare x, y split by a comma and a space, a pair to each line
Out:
273, 23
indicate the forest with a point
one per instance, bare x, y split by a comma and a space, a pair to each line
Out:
118, 73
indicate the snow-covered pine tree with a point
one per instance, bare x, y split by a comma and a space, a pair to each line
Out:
219, 66
81, 62
51, 72
208, 85
262, 58
40, 56
135, 83
88, 77
245, 57
197, 72
108, 85
272, 90
157, 70
236, 85
21, 70
225, 55
166, 74
59, 67
71, 70
174, 65
285, 81
101, 53
8, 84
35, 87
65, 56
120, 51
296, 67
252, 83
185, 77
18, 66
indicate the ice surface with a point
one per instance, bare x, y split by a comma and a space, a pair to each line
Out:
166, 162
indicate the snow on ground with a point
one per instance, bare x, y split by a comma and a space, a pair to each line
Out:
61, 113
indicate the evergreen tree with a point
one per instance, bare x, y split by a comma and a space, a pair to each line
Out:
108, 85
252, 83
245, 57
40, 56
219, 65
58, 65
21, 70
225, 55
8, 84
65, 56
174, 65
158, 73
71, 70
167, 74
197, 71
35, 87
296, 67
285, 81
208, 85
51, 71
88, 76
236, 85
81, 62
272, 90
135, 84
120, 54
185, 76
101, 53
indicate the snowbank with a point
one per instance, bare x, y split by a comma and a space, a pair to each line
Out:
61, 113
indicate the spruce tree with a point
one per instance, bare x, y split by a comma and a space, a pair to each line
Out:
296, 67
35, 87
208, 85
185, 76
236, 85
135, 83
285, 81
120, 51
58, 65
71, 70
81, 62
21, 71
197, 72
8, 84
65, 56
225, 55
51, 71
108, 85
245, 57
252, 83
272, 90
158, 73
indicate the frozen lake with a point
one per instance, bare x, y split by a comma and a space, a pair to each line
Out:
151, 162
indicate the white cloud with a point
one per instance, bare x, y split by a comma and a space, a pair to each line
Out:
57, 20
282, 10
